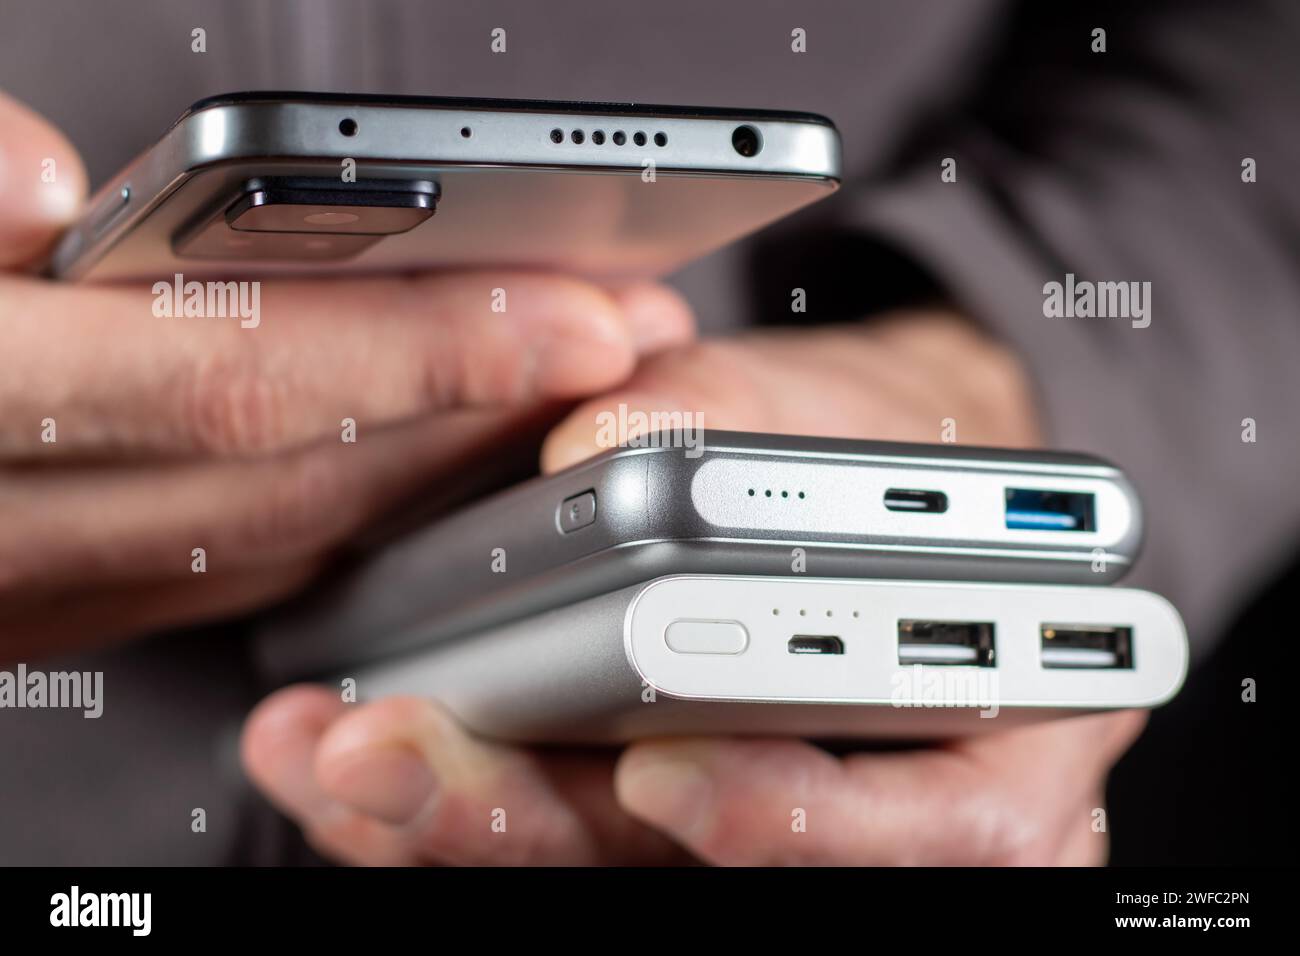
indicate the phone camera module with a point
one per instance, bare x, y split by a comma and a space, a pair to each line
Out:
377, 208
309, 220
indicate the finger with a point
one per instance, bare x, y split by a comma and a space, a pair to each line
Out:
712, 382
974, 372
659, 318
1064, 765
774, 382
114, 377
101, 616
42, 183
781, 802
278, 748
70, 526
461, 800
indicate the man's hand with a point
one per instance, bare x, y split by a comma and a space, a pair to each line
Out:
172, 434
898, 380
398, 781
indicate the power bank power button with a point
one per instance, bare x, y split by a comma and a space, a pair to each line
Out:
706, 637
577, 512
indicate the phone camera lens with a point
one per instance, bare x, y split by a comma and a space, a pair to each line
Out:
746, 140
348, 127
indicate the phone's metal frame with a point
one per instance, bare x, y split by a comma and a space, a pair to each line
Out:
601, 671
265, 133
664, 509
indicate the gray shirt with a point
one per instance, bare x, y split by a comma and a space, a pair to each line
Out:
1123, 165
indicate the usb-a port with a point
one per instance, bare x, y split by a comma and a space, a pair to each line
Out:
1032, 509
945, 642
1087, 646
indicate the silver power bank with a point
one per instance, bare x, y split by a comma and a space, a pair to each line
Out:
810, 657
735, 504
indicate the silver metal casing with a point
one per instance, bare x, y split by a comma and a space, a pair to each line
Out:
604, 670
509, 195
816, 508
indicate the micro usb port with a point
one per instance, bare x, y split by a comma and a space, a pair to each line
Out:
946, 642
1032, 509
1087, 647
815, 644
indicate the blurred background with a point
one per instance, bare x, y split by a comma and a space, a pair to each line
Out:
1208, 782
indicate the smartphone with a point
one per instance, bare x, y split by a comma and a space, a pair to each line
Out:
268, 182
717, 502
821, 658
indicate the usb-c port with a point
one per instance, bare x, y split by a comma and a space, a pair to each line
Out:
907, 499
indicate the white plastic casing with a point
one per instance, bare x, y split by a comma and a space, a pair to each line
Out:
865, 616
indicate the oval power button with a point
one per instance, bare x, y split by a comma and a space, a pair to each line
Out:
706, 637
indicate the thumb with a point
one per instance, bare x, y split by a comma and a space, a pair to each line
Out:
581, 435
42, 183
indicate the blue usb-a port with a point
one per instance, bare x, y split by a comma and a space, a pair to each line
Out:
1032, 509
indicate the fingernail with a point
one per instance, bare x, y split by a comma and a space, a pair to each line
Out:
37, 191
56, 202
672, 793
391, 783
565, 450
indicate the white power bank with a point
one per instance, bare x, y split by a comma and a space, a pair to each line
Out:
813, 657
